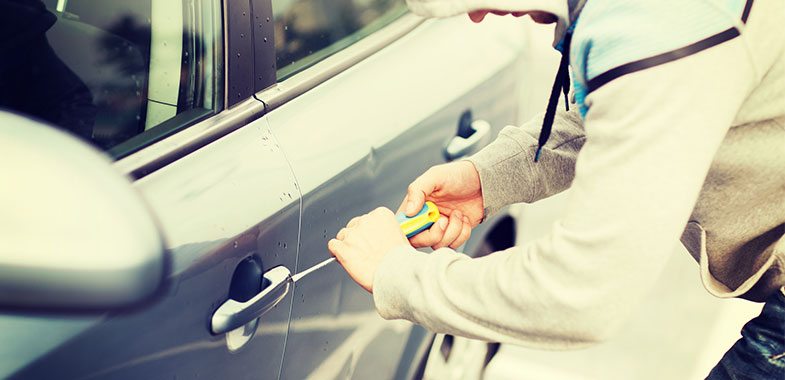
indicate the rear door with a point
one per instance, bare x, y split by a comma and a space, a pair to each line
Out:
367, 97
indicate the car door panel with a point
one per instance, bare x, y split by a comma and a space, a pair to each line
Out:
232, 199
222, 192
355, 142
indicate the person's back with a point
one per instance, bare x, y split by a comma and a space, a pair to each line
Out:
737, 230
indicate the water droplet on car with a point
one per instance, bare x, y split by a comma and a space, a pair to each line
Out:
235, 245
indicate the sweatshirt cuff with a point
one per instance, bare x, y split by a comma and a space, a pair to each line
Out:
390, 288
501, 165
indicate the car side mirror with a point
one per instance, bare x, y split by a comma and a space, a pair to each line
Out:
74, 233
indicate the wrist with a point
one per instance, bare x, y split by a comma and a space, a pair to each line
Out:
471, 175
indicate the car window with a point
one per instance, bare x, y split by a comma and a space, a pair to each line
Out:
307, 31
120, 74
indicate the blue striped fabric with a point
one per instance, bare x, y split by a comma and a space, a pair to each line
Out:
611, 33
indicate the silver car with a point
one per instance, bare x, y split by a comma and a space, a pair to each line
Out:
170, 165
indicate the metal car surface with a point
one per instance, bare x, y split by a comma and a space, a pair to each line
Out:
263, 181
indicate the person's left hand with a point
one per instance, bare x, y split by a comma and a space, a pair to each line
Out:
364, 242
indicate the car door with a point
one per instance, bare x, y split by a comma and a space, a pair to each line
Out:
368, 97
169, 88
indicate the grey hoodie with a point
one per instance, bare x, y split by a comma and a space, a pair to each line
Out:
695, 140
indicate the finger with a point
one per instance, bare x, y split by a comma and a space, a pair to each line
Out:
353, 222
466, 232
418, 190
453, 230
341, 234
430, 236
381, 210
335, 247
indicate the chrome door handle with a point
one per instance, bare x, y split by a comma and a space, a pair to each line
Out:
233, 314
461, 146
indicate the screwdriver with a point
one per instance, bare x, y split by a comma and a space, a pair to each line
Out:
410, 225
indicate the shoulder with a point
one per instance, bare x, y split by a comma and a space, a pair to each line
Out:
613, 38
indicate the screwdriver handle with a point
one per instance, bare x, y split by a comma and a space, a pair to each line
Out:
423, 220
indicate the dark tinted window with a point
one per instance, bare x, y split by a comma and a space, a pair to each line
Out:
118, 73
307, 31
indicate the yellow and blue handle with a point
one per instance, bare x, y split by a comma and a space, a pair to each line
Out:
423, 220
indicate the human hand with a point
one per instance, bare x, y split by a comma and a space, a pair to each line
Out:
455, 190
364, 242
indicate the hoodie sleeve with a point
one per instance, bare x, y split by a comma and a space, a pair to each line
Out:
507, 170
650, 138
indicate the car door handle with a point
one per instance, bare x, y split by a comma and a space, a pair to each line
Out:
460, 146
233, 314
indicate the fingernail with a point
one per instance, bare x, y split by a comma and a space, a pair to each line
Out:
442, 223
410, 207
458, 214
466, 219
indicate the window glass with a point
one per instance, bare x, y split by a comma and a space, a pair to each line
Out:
118, 73
307, 31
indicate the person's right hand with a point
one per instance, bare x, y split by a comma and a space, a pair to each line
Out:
455, 189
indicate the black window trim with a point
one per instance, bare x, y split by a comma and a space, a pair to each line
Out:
238, 114
296, 85
233, 113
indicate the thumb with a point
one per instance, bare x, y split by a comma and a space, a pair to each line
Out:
423, 186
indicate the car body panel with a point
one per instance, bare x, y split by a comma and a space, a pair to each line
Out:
227, 201
355, 142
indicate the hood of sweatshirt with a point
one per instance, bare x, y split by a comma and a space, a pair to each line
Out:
566, 11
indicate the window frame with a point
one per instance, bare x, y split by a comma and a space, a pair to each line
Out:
259, 74
295, 85
231, 111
